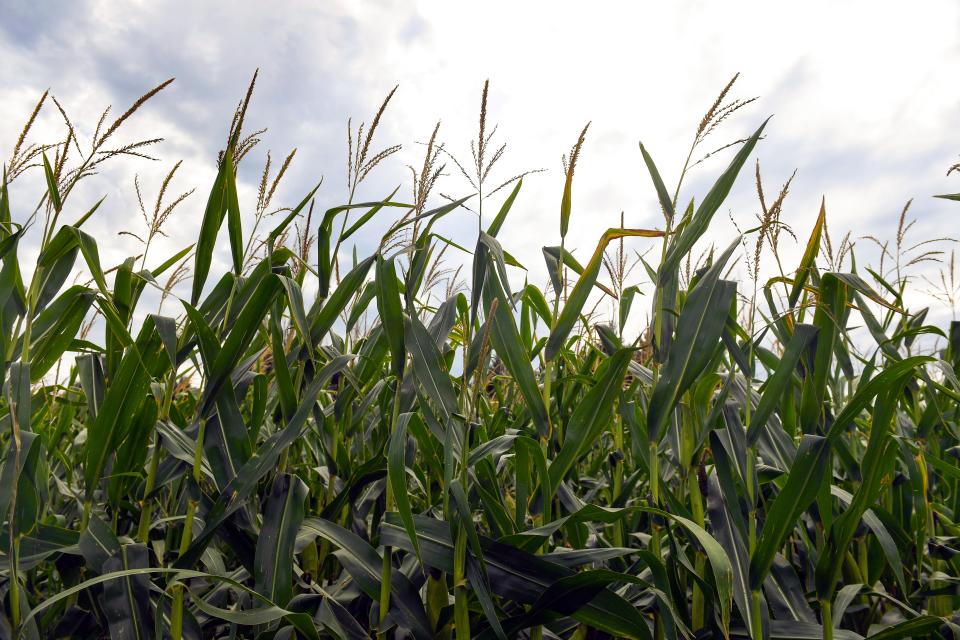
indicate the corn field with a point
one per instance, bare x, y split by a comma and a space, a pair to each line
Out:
317, 444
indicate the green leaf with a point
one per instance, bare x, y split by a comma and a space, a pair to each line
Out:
98, 543
362, 220
53, 192
397, 475
55, 328
505, 339
697, 226
126, 600
323, 321
262, 614
24, 489
121, 403
592, 414
132, 454
364, 563
325, 236
807, 474
6, 227
480, 253
807, 262
278, 230
877, 462
666, 203
581, 291
828, 318
172, 260
245, 327
519, 576
217, 204
476, 565
428, 367
698, 334
780, 380
892, 376
915, 628
568, 594
719, 506
626, 301
242, 485
273, 564
883, 536
391, 312
297, 310
719, 563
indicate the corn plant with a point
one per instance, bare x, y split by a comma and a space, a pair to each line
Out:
402, 454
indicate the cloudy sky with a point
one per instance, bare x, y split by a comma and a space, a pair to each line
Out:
864, 96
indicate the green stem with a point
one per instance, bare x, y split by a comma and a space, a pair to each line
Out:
655, 496
751, 483
461, 612
696, 509
387, 566
14, 582
654, 526
198, 452
176, 611
85, 516
385, 577
827, 614
618, 527
14, 535
143, 529
756, 620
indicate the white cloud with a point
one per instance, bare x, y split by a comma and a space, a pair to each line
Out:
864, 97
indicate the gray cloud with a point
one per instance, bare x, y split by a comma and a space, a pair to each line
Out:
864, 100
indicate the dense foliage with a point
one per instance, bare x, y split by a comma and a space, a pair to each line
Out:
311, 445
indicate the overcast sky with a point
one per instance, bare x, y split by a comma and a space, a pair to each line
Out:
864, 95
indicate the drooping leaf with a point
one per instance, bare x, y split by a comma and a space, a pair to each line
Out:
581, 291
